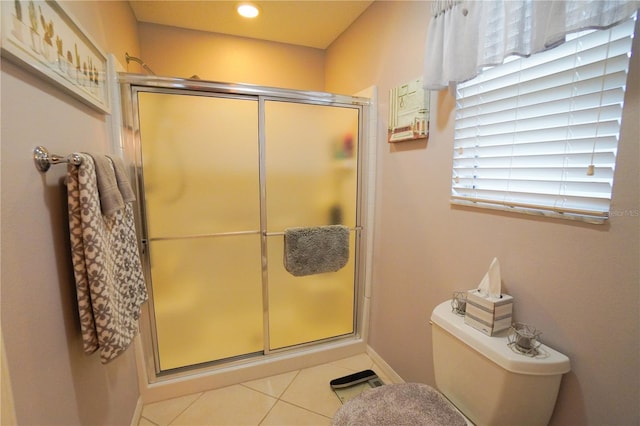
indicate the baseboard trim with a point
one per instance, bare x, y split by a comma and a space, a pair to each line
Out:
386, 368
137, 414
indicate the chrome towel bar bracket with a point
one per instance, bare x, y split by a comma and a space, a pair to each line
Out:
44, 160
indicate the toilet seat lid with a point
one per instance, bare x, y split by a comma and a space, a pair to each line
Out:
399, 404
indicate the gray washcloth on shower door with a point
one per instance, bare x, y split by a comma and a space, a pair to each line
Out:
315, 250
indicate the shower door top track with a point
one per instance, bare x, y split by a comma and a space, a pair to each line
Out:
240, 89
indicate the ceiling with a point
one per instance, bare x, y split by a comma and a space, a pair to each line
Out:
309, 23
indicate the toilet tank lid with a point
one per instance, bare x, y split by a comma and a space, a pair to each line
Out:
496, 348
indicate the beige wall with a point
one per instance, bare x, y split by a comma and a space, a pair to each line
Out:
54, 383
578, 283
175, 52
111, 25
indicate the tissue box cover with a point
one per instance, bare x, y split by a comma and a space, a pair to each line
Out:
488, 314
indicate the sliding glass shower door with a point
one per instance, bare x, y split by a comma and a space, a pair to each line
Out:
202, 211
310, 181
223, 176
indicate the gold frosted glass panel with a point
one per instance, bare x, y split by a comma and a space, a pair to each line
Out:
306, 309
200, 164
311, 171
311, 165
207, 299
200, 169
203, 208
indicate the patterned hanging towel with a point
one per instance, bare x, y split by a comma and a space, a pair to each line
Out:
106, 264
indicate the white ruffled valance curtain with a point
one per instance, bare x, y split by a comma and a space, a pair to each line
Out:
466, 36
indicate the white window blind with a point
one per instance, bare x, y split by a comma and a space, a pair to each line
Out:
540, 134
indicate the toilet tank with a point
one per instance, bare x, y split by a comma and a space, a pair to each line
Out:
488, 381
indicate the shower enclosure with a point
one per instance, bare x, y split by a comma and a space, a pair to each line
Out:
222, 171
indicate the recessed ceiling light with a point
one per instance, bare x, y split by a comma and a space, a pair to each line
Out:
248, 10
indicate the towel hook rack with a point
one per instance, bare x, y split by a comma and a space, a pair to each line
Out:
44, 160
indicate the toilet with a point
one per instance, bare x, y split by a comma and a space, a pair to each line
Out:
480, 379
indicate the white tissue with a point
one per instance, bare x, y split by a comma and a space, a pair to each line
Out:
491, 284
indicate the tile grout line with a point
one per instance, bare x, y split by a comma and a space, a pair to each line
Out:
289, 385
268, 411
149, 420
371, 364
185, 409
306, 409
277, 398
295, 405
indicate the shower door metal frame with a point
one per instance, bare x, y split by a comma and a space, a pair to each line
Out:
132, 84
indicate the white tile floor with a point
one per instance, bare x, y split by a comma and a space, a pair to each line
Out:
301, 397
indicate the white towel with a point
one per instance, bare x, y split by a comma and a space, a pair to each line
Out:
106, 264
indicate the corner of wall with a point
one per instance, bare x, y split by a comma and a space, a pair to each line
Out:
137, 414
387, 372
7, 409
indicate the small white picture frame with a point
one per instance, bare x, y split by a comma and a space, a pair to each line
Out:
408, 112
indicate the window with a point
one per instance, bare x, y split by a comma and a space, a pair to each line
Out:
540, 134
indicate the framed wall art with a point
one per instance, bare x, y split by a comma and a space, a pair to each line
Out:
408, 112
46, 40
